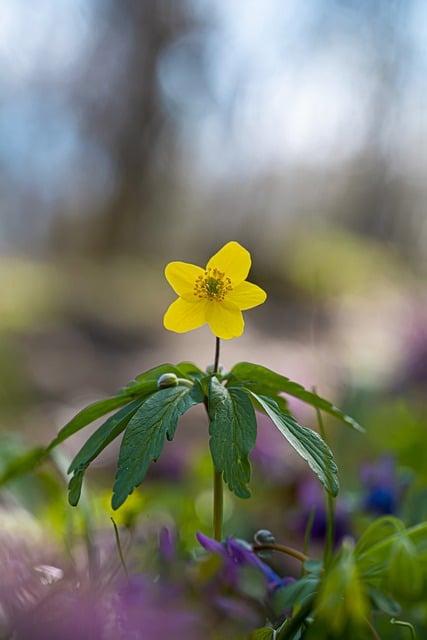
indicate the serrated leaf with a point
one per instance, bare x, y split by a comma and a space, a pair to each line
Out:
97, 442
105, 434
145, 434
263, 381
233, 431
307, 443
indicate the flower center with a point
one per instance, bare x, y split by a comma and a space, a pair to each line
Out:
213, 285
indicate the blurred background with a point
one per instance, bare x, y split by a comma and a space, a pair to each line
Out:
133, 133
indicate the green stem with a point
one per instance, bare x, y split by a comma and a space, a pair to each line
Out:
218, 497
408, 625
292, 625
217, 506
119, 547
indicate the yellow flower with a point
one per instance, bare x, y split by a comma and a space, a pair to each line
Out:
216, 295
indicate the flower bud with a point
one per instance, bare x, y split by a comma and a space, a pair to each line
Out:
210, 369
264, 536
167, 380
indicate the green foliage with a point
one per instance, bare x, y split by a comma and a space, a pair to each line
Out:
394, 558
142, 387
387, 566
263, 381
307, 443
299, 593
233, 431
143, 440
146, 383
405, 574
148, 414
262, 634
86, 416
97, 442
22, 463
342, 597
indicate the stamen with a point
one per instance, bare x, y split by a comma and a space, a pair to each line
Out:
214, 285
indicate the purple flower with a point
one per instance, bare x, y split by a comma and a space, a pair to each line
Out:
311, 499
145, 608
237, 554
167, 543
381, 486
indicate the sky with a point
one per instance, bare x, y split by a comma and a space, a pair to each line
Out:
270, 83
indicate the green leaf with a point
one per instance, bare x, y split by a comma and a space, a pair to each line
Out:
146, 382
144, 385
306, 442
86, 416
404, 575
378, 531
145, 433
263, 381
189, 370
106, 433
373, 562
262, 634
342, 598
22, 464
233, 431
383, 601
97, 442
297, 593
75, 487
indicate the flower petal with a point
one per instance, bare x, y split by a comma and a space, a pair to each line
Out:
211, 545
183, 316
182, 277
246, 295
225, 319
234, 260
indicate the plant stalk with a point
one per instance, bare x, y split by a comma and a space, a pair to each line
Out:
290, 551
218, 489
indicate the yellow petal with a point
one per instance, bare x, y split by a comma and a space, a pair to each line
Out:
183, 316
182, 277
246, 295
233, 260
225, 320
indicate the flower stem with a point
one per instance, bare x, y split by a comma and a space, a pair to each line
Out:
290, 551
217, 505
218, 499
217, 350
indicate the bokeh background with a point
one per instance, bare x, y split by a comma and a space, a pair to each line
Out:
133, 133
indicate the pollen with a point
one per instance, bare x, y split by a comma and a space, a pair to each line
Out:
213, 285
